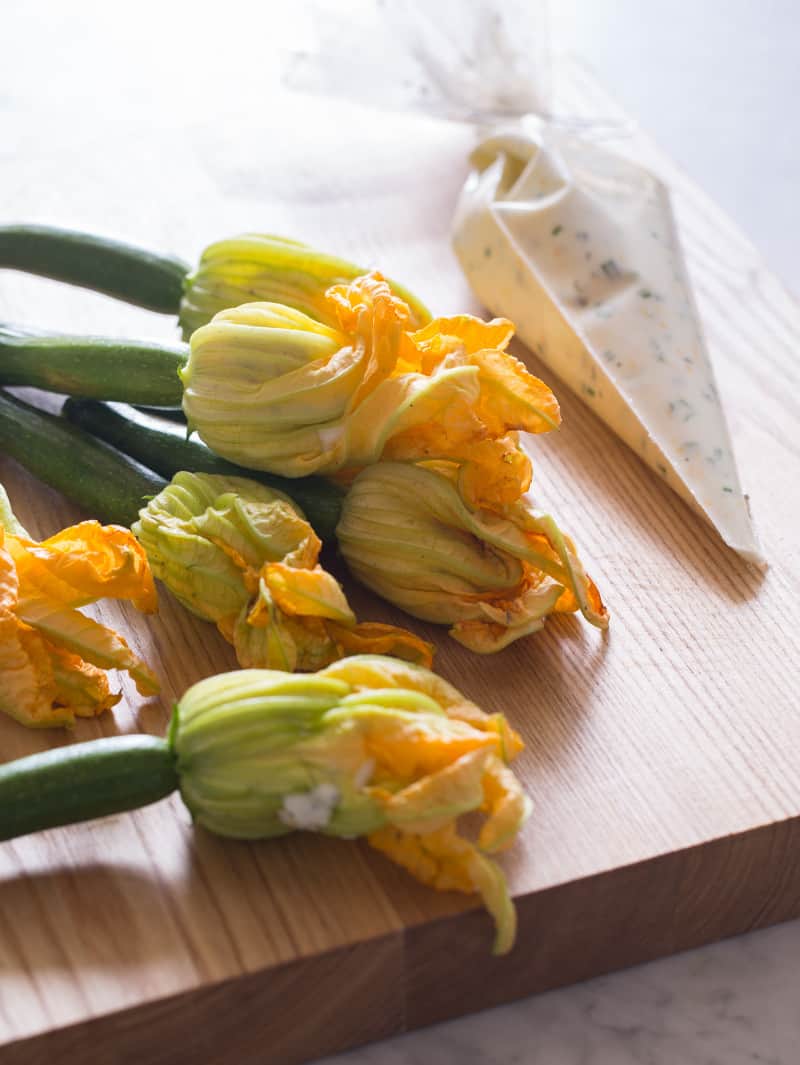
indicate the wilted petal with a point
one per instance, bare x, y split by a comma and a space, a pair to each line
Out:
376, 638
84, 563
310, 592
81, 688
87, 639
50, 653
446, 861
436, 799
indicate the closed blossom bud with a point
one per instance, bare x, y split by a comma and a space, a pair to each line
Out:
492, 575
270, 388
369, 746
257, 267
243, 556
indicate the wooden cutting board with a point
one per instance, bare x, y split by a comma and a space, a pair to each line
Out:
662, 758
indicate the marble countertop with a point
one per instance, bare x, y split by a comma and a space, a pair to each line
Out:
736, 1001
726, 1004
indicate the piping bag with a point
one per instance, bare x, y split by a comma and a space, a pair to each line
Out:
576, 244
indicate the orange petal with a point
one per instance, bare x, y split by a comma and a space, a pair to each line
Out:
511, 397
445, 861
506, 804
494, 472
373, 637
435, 799
86, 562
307, 592
409, 748
471, 333
376, 319
81, 688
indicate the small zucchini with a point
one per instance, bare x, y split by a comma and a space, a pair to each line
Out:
161, 444
121, 270
98, 367
83, 781
109, 485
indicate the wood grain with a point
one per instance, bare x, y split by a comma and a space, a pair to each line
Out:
662, 758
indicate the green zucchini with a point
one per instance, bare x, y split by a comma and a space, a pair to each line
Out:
98, 367
161, 445
83, 781
109, 485
123, 271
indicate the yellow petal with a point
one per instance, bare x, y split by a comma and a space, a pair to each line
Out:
414, 417
27, 681
310, 592
445, 861
86, 638
435, 799
511, 397
507, 806
263, 642
471, 334
494, 472
585, 592
406, 749
84, 563
366, 672
81, 688
373, 637
508, 618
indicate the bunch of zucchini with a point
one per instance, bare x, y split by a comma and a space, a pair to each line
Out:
110, 458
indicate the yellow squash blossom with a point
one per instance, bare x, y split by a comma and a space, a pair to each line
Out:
255, 267
493, 575
52, 657
243, 556
273, 389
369, 746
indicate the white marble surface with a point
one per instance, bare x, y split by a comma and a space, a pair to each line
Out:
716, 84
729, 1004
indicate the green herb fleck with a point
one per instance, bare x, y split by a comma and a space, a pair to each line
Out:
645, 293
726, 488
487, 253
589, 390
556, 230
661, 469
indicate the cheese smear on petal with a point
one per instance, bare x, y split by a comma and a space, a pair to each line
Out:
578, 247
310, 810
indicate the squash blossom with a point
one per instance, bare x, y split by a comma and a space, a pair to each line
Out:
243, 556
369, 746
493, 575
53, 657
255, 267
271, 388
